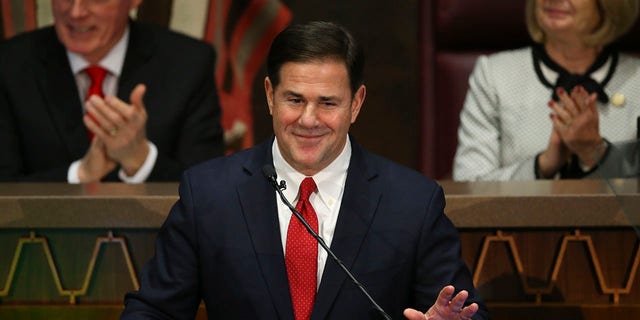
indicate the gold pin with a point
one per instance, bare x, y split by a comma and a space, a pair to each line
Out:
618, 100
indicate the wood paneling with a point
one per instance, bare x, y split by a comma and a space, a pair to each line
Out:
552, 249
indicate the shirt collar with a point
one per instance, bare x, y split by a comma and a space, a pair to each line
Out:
113, 61
594, 80
330, 180
548, 70
599, 74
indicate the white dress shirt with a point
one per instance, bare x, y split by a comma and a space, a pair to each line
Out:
325, 201
112, 62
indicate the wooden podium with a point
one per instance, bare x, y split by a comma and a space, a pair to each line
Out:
537, 249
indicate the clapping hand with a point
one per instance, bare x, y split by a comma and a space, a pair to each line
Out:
576, 120
122, 128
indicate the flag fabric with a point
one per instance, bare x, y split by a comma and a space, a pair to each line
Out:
17, 16
241, 31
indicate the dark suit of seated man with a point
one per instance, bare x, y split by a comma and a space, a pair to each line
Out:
230, 242
47, 117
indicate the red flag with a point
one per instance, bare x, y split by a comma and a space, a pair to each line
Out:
17, 16
241, 32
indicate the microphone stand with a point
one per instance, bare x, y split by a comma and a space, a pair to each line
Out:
270, 174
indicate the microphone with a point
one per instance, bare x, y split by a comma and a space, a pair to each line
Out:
270, 173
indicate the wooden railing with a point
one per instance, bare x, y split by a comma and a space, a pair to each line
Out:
537, 249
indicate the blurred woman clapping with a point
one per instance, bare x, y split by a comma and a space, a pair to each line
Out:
550, 110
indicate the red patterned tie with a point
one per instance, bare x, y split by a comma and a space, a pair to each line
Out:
302, 255
97, 74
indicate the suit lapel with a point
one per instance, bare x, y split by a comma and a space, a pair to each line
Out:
61, 94
258, 201
142, 43
359, 204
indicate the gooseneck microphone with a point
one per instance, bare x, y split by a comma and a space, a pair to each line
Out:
270, 173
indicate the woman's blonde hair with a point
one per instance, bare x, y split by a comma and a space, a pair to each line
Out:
617, 17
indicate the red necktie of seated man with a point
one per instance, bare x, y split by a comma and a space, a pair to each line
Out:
97, 74
301, 256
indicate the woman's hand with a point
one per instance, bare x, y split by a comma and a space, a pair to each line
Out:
576, 120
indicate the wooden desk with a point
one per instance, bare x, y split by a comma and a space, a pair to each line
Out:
537, 249
551, 249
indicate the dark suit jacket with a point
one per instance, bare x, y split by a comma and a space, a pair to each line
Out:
41, 128
221, 243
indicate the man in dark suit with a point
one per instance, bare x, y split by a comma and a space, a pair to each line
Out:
230, 242
172, 120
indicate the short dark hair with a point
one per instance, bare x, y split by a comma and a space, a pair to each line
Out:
315, 41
